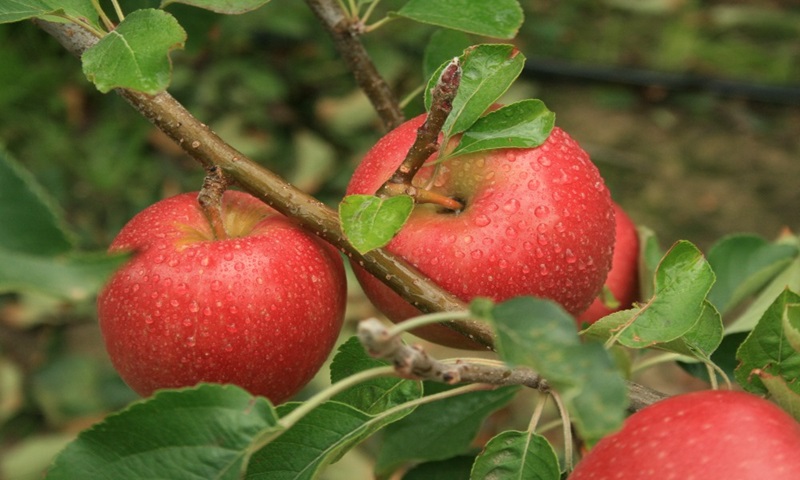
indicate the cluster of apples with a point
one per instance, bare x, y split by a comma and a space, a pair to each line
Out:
262, 308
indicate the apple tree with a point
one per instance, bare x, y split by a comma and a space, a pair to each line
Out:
479, 224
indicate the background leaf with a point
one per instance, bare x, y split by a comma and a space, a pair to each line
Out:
230, 7
788, 278
321, 437
766, 350
524, 124
203, 432
17, 10
370, 222
743, 264
439, 430
513, 454
135, 55
31, 223
540, 335
375, 395
501, 19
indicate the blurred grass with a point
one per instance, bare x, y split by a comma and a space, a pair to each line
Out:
689, 164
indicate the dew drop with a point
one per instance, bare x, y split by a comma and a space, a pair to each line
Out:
570, 257
541, 228
207, 311
216, 285
488, 241
560, 228
541, 239
511, 156
231, 328
476, 254
148, 320
180, 288
544, 161
541, 211
534, 185
135, 287
229, 348
194, 307
468, 239
543, 270
539, 252
159, 259
482, 220
511, 232
205, 261
187, 322
511, 206
191, 341
173, 303
228, 256
259, 280
233, 309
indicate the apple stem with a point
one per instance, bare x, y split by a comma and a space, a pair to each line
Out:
210, 200
427, 143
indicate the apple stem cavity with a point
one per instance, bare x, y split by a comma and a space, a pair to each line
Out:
427, 143
210, 199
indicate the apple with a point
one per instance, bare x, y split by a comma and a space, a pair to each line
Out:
706, 435
536, 221
260, 309
622, 281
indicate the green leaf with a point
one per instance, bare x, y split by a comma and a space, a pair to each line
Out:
487, 72
31, 223
788, 278
442, 47
743, 264
372, 396
723, 357
455, 467
203, 432
135, 55
525, 124
702, 339
17, 10
320, 438
74, 277
682, 281
650, 254
767, 350
513, 454
370, 222
781, 393
230, 7
501, 19
791, 325
540, 335
439, 430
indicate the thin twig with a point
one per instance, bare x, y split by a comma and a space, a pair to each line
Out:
345, 35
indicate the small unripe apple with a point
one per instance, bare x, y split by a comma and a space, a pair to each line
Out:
707, 435
536, 221
260, 309
622, 281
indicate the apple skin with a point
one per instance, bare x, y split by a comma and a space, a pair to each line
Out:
707, 435
261, 309
537, 221
623, 278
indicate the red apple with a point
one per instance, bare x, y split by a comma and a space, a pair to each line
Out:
708, 435
536, 221
623, 279
260, 309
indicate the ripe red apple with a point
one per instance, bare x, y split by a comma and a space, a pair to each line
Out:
260, 309
708, 435
623, 278
536, 221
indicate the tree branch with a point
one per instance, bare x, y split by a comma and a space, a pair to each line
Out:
345, 34
202, 144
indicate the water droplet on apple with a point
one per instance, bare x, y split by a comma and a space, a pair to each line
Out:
216, 285
541, 228
534, 185
459, 254
511, 156
148, 320
159, 259
238, 266
503, 263
135, 287
482, 220
173, 302
468, 239
231, 328
194, 307
228, 256
541, 211
207, 311
233, 309
259, 280
511, 206
187, 322
229, 348
544, 161
539, 252
510, 248
511, 232
560, 228
541, 239
543, 271
205, 261
191, 341
476, 254
570, 257
526, 269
